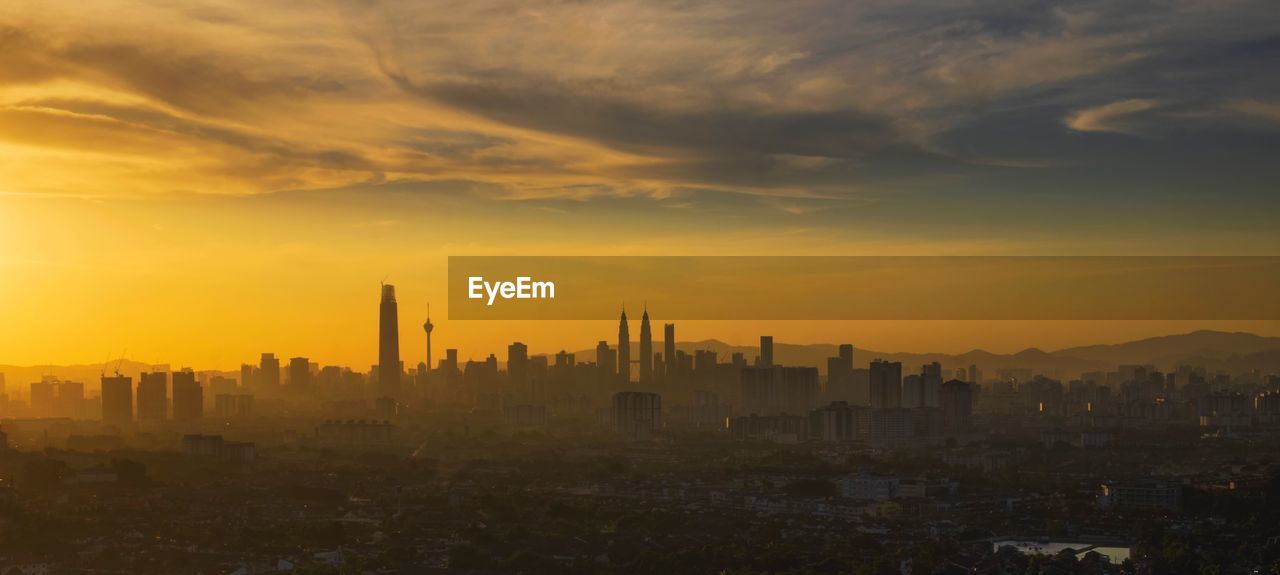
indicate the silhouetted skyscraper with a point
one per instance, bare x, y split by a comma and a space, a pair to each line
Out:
518, 365
564, 363
956, 399
637, 415
840, 375
778, 389
912, 391
388, 344
269, 373
299, 374
624, 350
42, 397
153, 397
669, 348
930, 381
606, 361
846, 354
886, 384
766, 351
450, 365
117, 400
70, 401
188, 397
646, 349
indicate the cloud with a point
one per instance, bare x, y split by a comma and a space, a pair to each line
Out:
1116, 117
543, 99
1262, 110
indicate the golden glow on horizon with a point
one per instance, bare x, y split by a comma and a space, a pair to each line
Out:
200, 182
214, 285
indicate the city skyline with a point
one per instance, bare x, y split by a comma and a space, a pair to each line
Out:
905, 336
764, 353
944, 288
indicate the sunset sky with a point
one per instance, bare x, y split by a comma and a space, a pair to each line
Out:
199, 182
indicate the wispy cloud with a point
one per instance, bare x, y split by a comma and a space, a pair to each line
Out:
1116, 117
583, 100
1266, 111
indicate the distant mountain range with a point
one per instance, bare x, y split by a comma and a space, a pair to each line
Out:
17, 377
1212, 349
1215, 350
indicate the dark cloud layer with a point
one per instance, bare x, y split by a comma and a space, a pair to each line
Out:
815, 98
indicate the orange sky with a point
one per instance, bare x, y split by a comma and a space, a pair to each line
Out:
215, 285
202, 181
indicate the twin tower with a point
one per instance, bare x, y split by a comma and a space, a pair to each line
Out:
646, 348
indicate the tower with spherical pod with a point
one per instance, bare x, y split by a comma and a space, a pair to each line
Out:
427, 327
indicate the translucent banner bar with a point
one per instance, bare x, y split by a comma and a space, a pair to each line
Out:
864, 288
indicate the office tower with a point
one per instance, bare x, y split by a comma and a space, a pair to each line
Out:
606, 361
892, 427
117, 400
71, 399
861, 385
220, 384
778, 389
912, 391
766, 351
646, 349
886, 384
975, 374
840, 375
518, 364
450, 365
247, 379
564, 360
41, 398
669, 348
637, 415
538, 370
233, 405
299, 374
683, 367
429, 327
956, 399
704, 361
153, 396
930, 380
188, 396
268, 375
388, 344
624, 350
